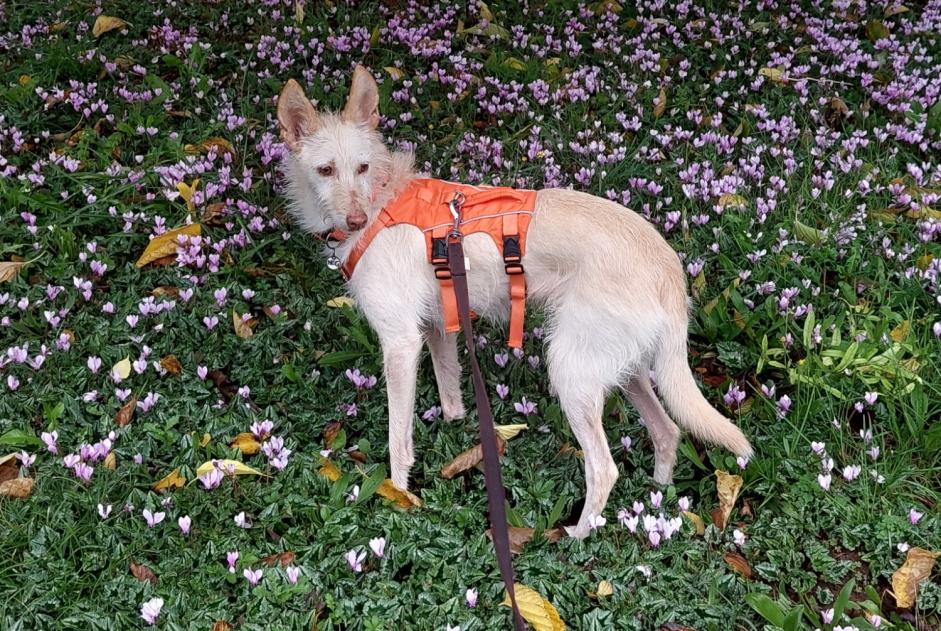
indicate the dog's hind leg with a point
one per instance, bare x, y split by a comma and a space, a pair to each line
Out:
400, 357
443, 348
663, 431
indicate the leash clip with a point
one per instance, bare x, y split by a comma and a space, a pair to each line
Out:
333, 261
455, 207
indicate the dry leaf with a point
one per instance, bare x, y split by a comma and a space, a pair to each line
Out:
172, 481
519, 537
673, 626
166, 244
661, 105
205, 439
237, 468
341, 301
18, 488
126, 413
329, 470
535, 609
605, 588
775, 74
222, 625
285, 558
895, 10
105, 23
221, 145
506, 432
403, 498
242, 327
143, 573
697, 522
917, 567
164, 291
9, 469
186, 193
212, 213
9, 270
122, 368
738, 563
900, 333
468, 459
730, 200
330, 432
171, 364
728, 487
246, 443
111, 461
395, 73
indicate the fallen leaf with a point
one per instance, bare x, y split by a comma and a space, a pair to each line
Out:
166, 244
172, 481
222, 625
285, 558
519, 537
673, 626
514, 64
775, 74
165, 291
468, 459
696, 521
331, 431
9, 270
738, 564
143, 573
329, 470
105, 23
111, 461
506, 432
238, 468
535, 609
357, 455
395, 73
221, 145
341, 301
809, 234
212, 213
728, 487
661, 105
246, 443
605, 588
9, 469
876, 30
731, 200
403, 498
186, 192
242, 327
122, 368
18, 488
226, 388
895, 10
126, 413
917, 567
205, 439
171, 364
900, 333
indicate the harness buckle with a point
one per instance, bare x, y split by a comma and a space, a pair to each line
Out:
513, 269
455, 207
442, 272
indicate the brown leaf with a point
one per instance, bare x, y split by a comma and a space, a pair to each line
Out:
143, 573
285, 558
9, 270
213, 213
330, 432
404, 499
164, 291
243, 328
9, 469
105, 23
917, 567
225, 387
171, 364
111, 461
738, 564
329, 470
673, 626
126, 413
728, 487
221, 625
697, 522
19, 488
519, 537
221, 146
661, 105
357, 455
246, 443
173, 480
468, 459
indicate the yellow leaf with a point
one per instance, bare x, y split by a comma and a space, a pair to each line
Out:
229, 467
187, 190
205, 440
298, 12
111, 462
395, 73
775, 74
900, 333
242, 327
696, 521
661, 105
122, 369
506, 432
808, 234
105, 23
535, 609
9, 270
329, 470
403, 498
341, 301
895, 10
917, 567
221, 145
605, 588
17, 488
728, 487
172, 481
514, 64
246, 443
485, 12
375, 35
731, 200
166, 243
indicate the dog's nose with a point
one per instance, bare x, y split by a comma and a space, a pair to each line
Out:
355, 221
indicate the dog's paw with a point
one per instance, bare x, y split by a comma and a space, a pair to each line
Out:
577, 532
453, 413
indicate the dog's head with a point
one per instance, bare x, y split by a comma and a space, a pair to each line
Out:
336, 161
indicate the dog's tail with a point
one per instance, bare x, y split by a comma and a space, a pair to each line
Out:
678, 389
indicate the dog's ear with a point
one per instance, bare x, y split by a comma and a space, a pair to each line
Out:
296, 114
362, 106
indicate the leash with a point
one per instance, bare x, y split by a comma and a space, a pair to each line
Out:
496, 495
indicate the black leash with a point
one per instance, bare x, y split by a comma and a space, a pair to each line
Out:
496, 495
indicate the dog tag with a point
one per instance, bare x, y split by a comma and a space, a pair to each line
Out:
333, 262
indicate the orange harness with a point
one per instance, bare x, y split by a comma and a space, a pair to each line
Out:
503, 213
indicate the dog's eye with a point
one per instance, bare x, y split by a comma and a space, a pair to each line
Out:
362, 168
325, 171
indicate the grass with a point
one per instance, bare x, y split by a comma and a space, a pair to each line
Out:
815, 178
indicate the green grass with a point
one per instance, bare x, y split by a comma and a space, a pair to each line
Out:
63, 567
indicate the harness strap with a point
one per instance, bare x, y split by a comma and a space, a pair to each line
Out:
512, 257
496, 495
439, 259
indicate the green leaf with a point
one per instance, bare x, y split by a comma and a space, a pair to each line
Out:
809, 234
843, 599
767, 608
687, 449
793, 620
373, 482
556, 513
513, 518
340, 357
809, 322
19, 438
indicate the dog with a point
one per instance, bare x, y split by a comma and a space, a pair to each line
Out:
613, 290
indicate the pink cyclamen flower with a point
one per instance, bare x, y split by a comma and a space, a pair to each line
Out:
596, 521
293, 574
104, 511
211, 479
654, 538
470, 596
656, 499
242, 521
153, 518
851, 472
824, 481
871, 398
93, 363
26, 459
628, 520
355, 560
739, 537
914, 516
742, 462
826, 616
151, 610
230, 559
253, 576
201, 372
83, 471
818, 448
12, 382
525, 407
626, 442
184, 523
684, 503
378, 546
503, 390
211, 322
50, 439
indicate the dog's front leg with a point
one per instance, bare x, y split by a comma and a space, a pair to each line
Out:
400, 365
443, 347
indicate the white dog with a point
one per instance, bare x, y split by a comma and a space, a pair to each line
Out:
613, 290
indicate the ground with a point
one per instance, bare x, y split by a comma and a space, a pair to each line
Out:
789, 151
